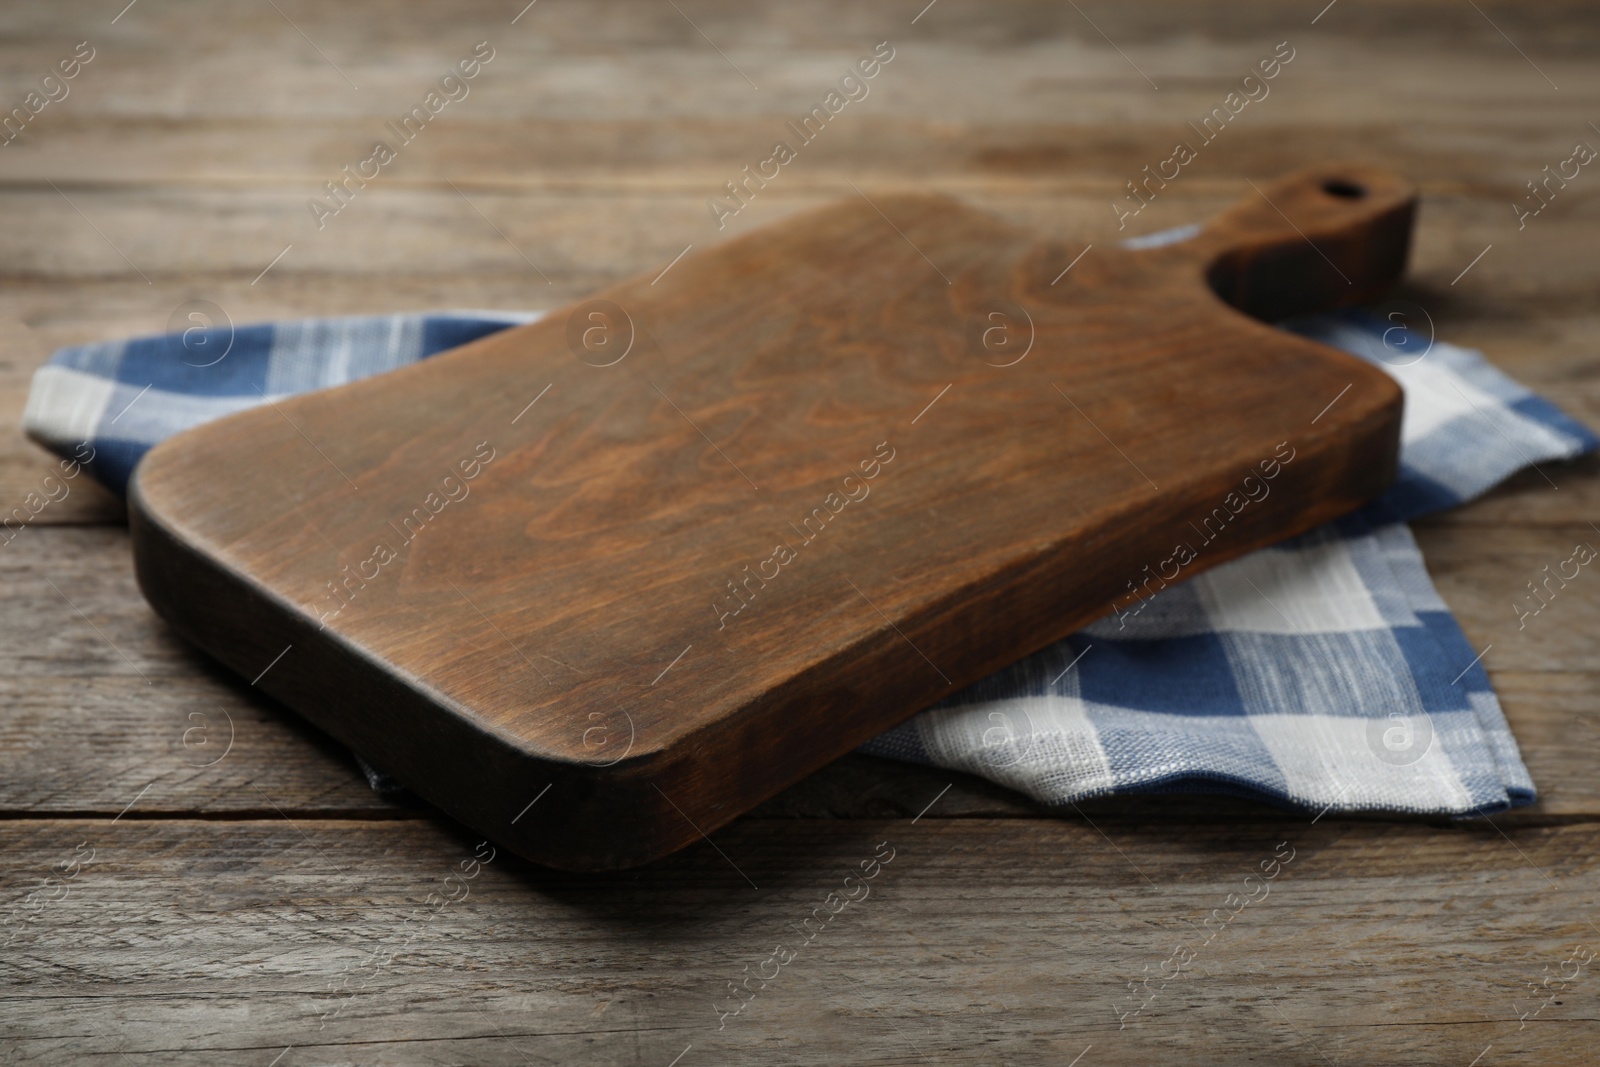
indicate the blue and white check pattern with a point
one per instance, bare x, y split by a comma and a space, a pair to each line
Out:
123, 396
1324, 672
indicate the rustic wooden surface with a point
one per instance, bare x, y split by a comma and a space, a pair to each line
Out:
227, 909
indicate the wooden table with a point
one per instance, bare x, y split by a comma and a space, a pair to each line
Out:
237, 894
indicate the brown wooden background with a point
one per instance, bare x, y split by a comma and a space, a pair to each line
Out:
228, 908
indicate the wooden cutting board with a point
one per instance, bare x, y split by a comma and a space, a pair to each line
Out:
598, 584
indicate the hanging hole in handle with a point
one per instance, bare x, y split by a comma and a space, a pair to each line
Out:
1345, 190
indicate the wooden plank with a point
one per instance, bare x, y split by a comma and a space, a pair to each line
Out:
1025, 142
79, 646
1546, 341
581, 236
1555, 717
1484, 574
73, 697
113, 685
977, 941
1039, 117
1526, 498
161, 162
1049, 48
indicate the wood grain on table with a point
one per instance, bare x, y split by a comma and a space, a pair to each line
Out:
259, 904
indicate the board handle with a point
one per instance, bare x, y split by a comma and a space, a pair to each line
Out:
1317, 239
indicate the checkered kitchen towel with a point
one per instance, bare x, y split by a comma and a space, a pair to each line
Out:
1324, 672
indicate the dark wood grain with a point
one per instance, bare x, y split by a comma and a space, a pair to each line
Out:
538, 633
193, 150
84, 731
980, 941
